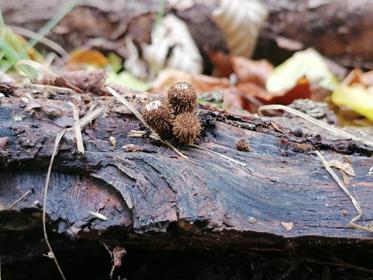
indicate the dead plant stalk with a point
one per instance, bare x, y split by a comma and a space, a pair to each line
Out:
356, 204
84, 121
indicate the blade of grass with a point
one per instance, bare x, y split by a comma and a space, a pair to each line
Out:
160, 14
44, 40
53, 22
355, 203
44, 217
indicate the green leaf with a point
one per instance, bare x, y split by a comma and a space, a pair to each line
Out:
126, 79
309, 64
356, 97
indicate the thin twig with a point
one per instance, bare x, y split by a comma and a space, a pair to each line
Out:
54, 152
20, 199
112, 260
47, 73
84, 121
91, 115
356, 204
138, 115
218, 154
77, 128
339, 263
327, 127
48, 87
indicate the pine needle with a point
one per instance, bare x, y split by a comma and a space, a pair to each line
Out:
20, 199
332, 129
84, 121
54, 152
77, 129
218, 154
356, 204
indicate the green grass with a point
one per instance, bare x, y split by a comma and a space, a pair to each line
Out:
13, 49
53, 22
161, 12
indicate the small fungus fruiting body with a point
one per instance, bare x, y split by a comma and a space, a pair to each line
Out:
242, 145
182, 98
157, 115
186, 128
177, 117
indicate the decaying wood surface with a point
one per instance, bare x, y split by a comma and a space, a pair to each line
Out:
341, 30
153, 198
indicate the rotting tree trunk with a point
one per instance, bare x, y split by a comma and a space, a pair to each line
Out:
155, 200
339, 29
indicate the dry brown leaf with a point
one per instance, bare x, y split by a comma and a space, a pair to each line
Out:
288, 44
83, 81
367, 78
82, 57
246, 70
222, 64
301, 90
254, 71
287, 226
3, 142
200, 82
345, 167
253, 96
131, 148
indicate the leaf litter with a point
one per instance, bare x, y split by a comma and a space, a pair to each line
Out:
247, 86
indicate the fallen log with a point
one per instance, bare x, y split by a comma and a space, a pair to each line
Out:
282, 200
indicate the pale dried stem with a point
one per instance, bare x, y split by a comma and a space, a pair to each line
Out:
77, 128
218, 154
20, 199
327, 127
356, 204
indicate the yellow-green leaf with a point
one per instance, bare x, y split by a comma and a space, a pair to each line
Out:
356, 97
126, 79
309, 64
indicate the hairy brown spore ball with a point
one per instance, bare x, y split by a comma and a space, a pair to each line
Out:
242, 145
186, 128
182, 98
157, 115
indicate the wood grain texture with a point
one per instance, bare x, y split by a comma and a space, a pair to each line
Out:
208, 198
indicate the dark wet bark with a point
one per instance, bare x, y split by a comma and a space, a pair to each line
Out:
156, 200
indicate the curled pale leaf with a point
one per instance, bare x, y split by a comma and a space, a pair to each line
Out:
356, 97
240, 22
172, 46
309, 64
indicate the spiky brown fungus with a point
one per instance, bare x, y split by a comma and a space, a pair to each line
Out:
182, 98
186, 128
242, 145
157, 115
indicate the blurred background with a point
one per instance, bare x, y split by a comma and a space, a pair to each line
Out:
239, 54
